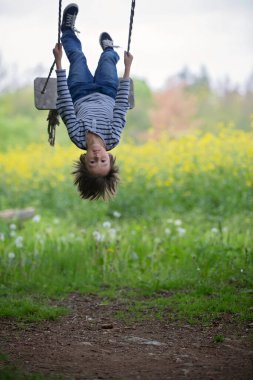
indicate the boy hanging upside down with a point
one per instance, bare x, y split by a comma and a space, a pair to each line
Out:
92, 108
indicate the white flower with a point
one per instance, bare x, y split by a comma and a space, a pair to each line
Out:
116, 214
134, 256
19, 242
13, 226
36, 218
12, 233
112, 233
107, 224
167, 231
98, 236
214, 230
1, 236
242, 270
181, 231
178, 222
11, 255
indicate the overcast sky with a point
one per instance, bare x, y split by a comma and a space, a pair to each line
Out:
167, 36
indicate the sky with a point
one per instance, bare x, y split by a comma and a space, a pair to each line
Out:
166, 37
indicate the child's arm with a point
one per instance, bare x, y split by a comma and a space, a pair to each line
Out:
121, 102
64, 102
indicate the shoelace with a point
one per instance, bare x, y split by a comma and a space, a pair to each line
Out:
70, 22
109, 43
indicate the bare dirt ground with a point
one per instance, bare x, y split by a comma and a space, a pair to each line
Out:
90, 343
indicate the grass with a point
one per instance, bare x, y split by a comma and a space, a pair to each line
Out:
191, 237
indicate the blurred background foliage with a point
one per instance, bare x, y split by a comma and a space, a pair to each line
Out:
187, 101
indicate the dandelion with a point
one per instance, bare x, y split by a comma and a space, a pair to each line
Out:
107, 224
12, 233
181, 231
214, 230
112, 233
116, 214
167, 231
36, 218
98, 236
2, 236
13, 227
178, 222
11, 255
19, 242
134, 256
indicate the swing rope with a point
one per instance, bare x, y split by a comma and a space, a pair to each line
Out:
131, 25
53, 116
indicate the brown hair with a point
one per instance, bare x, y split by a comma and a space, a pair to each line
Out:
92, 186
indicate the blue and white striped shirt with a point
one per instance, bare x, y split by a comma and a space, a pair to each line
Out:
97, 113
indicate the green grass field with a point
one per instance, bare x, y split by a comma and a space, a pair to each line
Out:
191, 235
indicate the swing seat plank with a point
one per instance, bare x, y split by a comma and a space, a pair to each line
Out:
47, 100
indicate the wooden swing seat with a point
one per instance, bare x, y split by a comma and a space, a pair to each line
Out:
47, 100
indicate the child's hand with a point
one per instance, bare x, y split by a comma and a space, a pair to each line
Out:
128, 58
58, 55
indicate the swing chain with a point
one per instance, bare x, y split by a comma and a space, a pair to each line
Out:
131, 25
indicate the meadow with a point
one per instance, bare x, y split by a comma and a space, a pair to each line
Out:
181, 222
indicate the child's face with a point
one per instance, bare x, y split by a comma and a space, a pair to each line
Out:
98, 160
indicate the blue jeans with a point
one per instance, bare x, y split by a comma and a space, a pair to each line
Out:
80, 80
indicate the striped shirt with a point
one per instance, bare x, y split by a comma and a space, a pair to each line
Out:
97, 113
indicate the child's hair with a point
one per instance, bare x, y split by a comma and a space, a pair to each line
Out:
92, 186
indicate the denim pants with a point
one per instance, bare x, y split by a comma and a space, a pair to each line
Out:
80, 80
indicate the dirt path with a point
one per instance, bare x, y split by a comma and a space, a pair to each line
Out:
91, 344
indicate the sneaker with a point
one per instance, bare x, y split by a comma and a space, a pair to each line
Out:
69, 17
106, 41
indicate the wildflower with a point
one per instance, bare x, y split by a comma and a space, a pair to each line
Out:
178, 222
167, 231
242, 271
19, 242
12, 233
112, 233
181, 231
1, 236
134, 256
107, 224
169, 220
36, 218
98, 236
116, 214
11, 255
13, 227
214, 230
